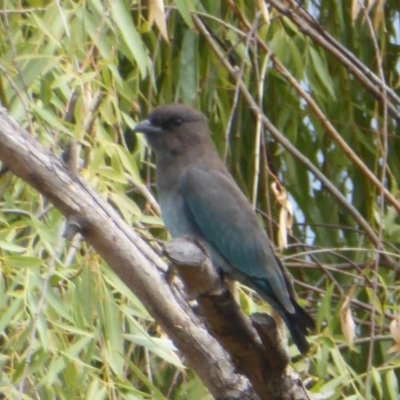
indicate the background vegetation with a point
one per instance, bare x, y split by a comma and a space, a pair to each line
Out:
307, 95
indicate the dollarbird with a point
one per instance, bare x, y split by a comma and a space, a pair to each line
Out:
199, 198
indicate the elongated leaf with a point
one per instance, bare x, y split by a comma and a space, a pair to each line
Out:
122, 17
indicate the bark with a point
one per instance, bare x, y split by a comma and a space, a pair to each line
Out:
236, 359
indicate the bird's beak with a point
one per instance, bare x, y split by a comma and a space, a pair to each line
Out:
147, 128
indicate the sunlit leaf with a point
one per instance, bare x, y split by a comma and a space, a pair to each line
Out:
22, 261
11, 247
392, 384
163, 348
346, 317
157, 15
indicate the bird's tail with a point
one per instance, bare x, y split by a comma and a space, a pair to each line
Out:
298, 324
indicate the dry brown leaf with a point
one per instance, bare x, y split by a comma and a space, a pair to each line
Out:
346, 318
395, 329
355, 10
395, 332
157, 15
264, 10
285, 214
379, 13
394, 349
367, 5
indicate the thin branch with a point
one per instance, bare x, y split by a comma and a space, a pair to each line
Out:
383, 139
351, 57
258, 135
279, 137
330, 129
338, 52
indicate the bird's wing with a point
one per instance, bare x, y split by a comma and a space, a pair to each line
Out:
226, 219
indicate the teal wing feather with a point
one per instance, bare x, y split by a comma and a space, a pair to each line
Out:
226, 219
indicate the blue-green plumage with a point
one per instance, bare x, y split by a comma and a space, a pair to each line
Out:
199, 198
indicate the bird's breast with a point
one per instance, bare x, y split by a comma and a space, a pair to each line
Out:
175, 214
179, 221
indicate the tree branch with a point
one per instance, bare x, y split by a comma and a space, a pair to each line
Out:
280, 138
126, 253
311, 28
239, 360
255, 346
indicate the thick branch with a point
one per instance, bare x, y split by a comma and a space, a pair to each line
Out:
259, 369
124, 251
255, 345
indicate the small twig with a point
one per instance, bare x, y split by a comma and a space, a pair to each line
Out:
142, 189
259, 125
330, 129
288, 145
360, 72
384, 153
240, 71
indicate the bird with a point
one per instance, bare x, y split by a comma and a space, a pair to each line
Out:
199, 198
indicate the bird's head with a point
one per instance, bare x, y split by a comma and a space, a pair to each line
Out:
174, 129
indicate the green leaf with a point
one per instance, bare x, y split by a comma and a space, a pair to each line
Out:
111, 174
45, 28
187, 76
375, 300
51, 119
185, 7
139, 373
128, 163
13, 248
112, 326
126, 206
17, 261
321, 69
392, 384
14, 307
163, 348
377, 381
57, 303
122, 18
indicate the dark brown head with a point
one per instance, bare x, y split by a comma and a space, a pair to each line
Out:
174, 129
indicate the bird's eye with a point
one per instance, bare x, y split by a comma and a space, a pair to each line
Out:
176, 122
